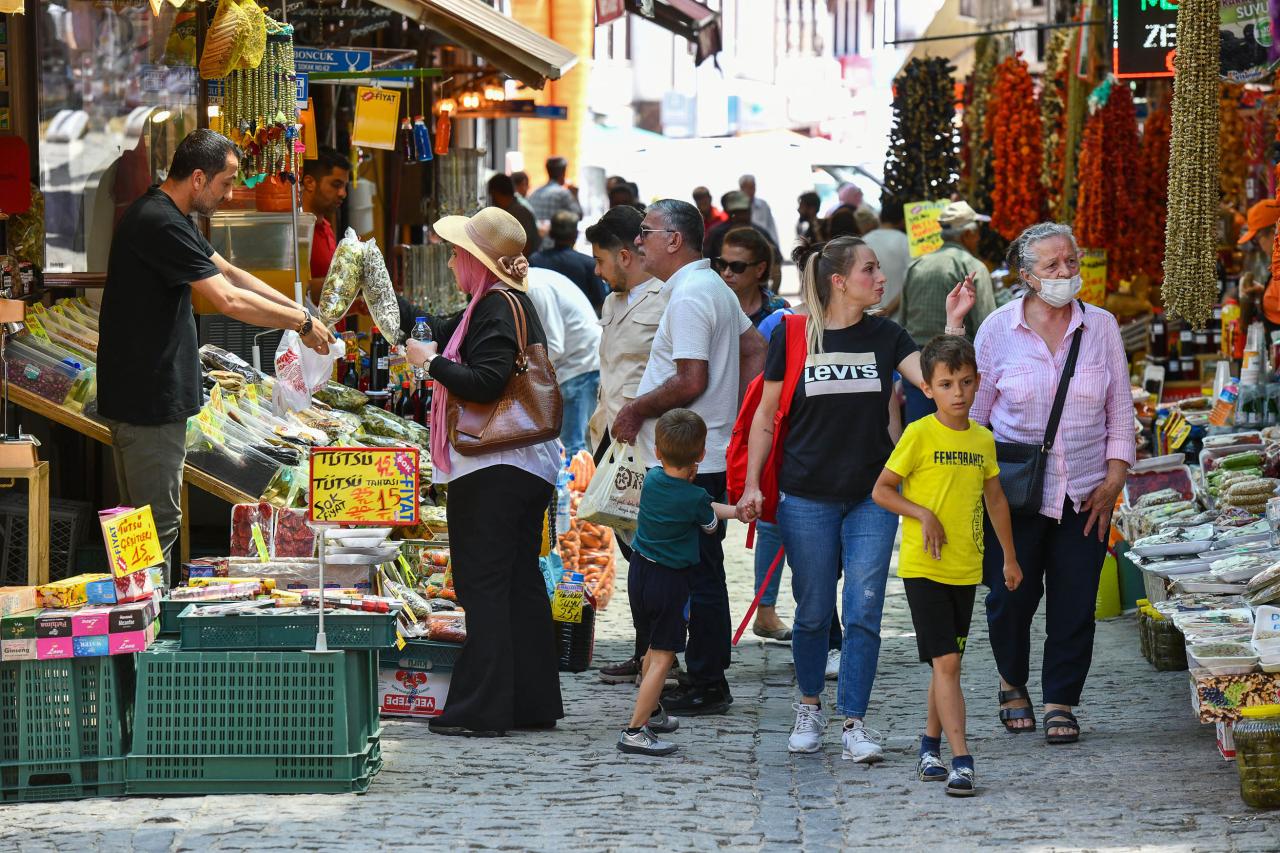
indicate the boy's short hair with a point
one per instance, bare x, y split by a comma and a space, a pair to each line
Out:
952, 351
681, 437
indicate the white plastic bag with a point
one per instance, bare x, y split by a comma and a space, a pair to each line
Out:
300, 372
613, 496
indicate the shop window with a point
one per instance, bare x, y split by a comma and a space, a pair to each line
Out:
117, 92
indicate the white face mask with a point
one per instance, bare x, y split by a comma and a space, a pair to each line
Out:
1059, 291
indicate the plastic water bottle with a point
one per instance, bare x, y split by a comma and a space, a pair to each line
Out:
562, 499
421, 332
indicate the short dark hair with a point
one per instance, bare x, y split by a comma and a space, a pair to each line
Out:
556, 167
327, 159
617, 229
204, 150
682, 218
564, 226
502, 183
952, 351
701, 192
519, 177
681, 437
811, 199
891, 212
843, 222
747, 237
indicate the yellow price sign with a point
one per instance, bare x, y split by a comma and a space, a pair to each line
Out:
370, 486
377, 118
131, 540
1093, 276
924, 232
567, 606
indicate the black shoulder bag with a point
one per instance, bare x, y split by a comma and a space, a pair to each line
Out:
1022, 465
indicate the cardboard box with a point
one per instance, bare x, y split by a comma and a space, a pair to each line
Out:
53, 623
91, 647
127, 642
54, 648
134, 587
18, 649
101, 592
1226, 740
419, 693
90, 621
19, 626
130, 617
66, 593
15, 599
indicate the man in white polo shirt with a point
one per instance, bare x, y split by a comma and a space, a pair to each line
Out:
704, 354
573, 345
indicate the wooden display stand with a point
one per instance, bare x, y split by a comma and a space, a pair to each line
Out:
37, 477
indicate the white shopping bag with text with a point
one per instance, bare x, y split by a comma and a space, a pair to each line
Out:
613, 496
300, 372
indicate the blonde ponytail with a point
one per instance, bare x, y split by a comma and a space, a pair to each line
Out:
818, 262
816, 326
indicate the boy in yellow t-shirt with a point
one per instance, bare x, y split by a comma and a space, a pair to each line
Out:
946, 466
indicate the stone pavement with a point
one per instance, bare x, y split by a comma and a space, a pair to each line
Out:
1145, 775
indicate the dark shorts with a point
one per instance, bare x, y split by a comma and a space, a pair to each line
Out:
659, 603
941, 613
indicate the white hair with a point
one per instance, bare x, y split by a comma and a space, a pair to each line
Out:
1025, 245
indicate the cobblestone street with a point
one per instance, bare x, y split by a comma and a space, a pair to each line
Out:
1145, 775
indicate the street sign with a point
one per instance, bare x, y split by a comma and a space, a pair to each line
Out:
1144, 38
320, 59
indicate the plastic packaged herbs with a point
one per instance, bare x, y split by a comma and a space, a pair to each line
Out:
343, 281
379, 294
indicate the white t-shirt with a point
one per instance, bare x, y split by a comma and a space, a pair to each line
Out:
573, 332
703, 322
891, 248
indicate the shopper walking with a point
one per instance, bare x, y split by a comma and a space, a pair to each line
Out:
761, 214
711, 215
836, 445
928, 281
745, 263
573, 344
889, 242
555, 196
507, 675
569, 262
704, 353
1023, 351
738, 206
148, 361
502, 194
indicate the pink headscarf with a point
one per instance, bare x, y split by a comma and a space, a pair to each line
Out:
476, 280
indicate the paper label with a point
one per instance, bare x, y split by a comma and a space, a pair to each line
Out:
368, 486
131, 540
260, 543
924, 232
567, 606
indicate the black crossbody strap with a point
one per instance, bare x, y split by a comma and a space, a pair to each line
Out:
1068, 370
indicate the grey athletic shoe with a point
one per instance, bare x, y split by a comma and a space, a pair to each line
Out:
644, 742
961, 782
663, 723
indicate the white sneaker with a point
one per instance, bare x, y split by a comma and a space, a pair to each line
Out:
860, 744
833, 665
807, 734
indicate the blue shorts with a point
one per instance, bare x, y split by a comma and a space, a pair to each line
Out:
659, 599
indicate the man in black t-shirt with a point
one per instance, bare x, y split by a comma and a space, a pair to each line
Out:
148, 360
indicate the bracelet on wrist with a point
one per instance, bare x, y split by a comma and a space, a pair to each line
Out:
954, 330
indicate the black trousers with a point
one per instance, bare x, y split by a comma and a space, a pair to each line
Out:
1063, 565
507, 674
707, 655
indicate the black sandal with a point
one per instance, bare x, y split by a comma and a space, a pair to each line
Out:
1008, 715
1061, 720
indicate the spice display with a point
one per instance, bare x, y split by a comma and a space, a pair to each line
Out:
1155, 177
1053, 119
1232, 166
342, 283
1190, 279
1017, 194
1107, 210
976, 152
922, 162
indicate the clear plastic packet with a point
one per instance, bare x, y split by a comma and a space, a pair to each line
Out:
294, 538
341, 397
379, 294
342, 283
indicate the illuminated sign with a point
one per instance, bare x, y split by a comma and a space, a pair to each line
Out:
1144, 37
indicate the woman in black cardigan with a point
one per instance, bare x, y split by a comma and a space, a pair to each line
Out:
507, 675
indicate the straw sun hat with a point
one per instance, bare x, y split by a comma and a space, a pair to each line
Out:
496, 238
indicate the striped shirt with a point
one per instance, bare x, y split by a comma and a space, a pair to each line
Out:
1020, 380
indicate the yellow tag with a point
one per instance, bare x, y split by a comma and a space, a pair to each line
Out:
251, 391
567, 606
36, 308
37, 329
260, 543
131, 540
399, 640
215, 398
377, 117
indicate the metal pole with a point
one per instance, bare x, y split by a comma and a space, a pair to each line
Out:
1010, 31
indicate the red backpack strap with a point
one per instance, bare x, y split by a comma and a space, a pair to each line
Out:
797, 353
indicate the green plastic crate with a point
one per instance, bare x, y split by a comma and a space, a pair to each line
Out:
255, 774
170, 610
343, 630
421, 654
209, 704
62, 780
64, 710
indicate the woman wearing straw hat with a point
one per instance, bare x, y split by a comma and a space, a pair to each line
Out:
507, 675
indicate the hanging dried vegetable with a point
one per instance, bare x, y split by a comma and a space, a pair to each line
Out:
1053, 118
1017, 196
1190, 283
1109, 212
1232, 168
260, 113
976, 145
1155, 178
922, 162
1077, 111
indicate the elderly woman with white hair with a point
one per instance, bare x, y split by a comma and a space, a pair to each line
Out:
1046, 351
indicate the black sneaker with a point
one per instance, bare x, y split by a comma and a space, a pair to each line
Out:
697, 701
623, 672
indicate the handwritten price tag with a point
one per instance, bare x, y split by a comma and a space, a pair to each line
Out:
368, 486
567, 606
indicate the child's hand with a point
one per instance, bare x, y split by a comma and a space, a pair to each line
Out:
1012, 575
933, 534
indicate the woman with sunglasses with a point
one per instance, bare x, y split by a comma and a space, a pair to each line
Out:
745, 261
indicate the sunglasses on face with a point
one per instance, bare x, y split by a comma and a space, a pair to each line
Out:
735, 267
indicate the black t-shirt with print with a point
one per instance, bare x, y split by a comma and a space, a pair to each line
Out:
838, 436
148, 359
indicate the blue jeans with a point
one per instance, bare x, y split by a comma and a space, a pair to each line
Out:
768, 541
579, 395
822, 539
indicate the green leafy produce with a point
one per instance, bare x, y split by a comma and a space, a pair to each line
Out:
343, 281
342, 397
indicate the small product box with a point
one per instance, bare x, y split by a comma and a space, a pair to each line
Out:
1226, 740
90, 621
126, 618
128, 642
53, 623
66, 593
91, 647
134, 587
54, 648
18, 649
19, 626
101, 592
404, 692
15, 599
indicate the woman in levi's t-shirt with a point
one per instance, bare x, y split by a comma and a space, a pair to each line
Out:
1022, 351
837, 443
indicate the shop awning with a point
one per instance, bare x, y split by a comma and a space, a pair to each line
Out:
688, 19
529, 57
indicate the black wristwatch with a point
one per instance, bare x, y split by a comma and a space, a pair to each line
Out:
305, 328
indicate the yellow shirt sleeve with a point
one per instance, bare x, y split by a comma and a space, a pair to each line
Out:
905, 456
992, 468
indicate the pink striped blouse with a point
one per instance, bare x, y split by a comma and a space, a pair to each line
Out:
1020, 379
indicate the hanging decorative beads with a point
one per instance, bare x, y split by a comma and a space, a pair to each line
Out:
260, 113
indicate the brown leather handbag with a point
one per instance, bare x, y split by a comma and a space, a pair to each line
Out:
529, 410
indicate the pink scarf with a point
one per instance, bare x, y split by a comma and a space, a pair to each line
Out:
476, 281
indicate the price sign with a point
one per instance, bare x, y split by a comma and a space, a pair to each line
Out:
377, 117
924, 232
1144, 37
567, 606
370, 486
131, 540
1093, 276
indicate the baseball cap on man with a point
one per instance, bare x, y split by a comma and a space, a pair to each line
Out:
736, 200
1264, 214
958, 214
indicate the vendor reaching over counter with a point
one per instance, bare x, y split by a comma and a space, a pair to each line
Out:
324, 189
148, 364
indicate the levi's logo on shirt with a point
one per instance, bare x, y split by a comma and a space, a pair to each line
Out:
841, 373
